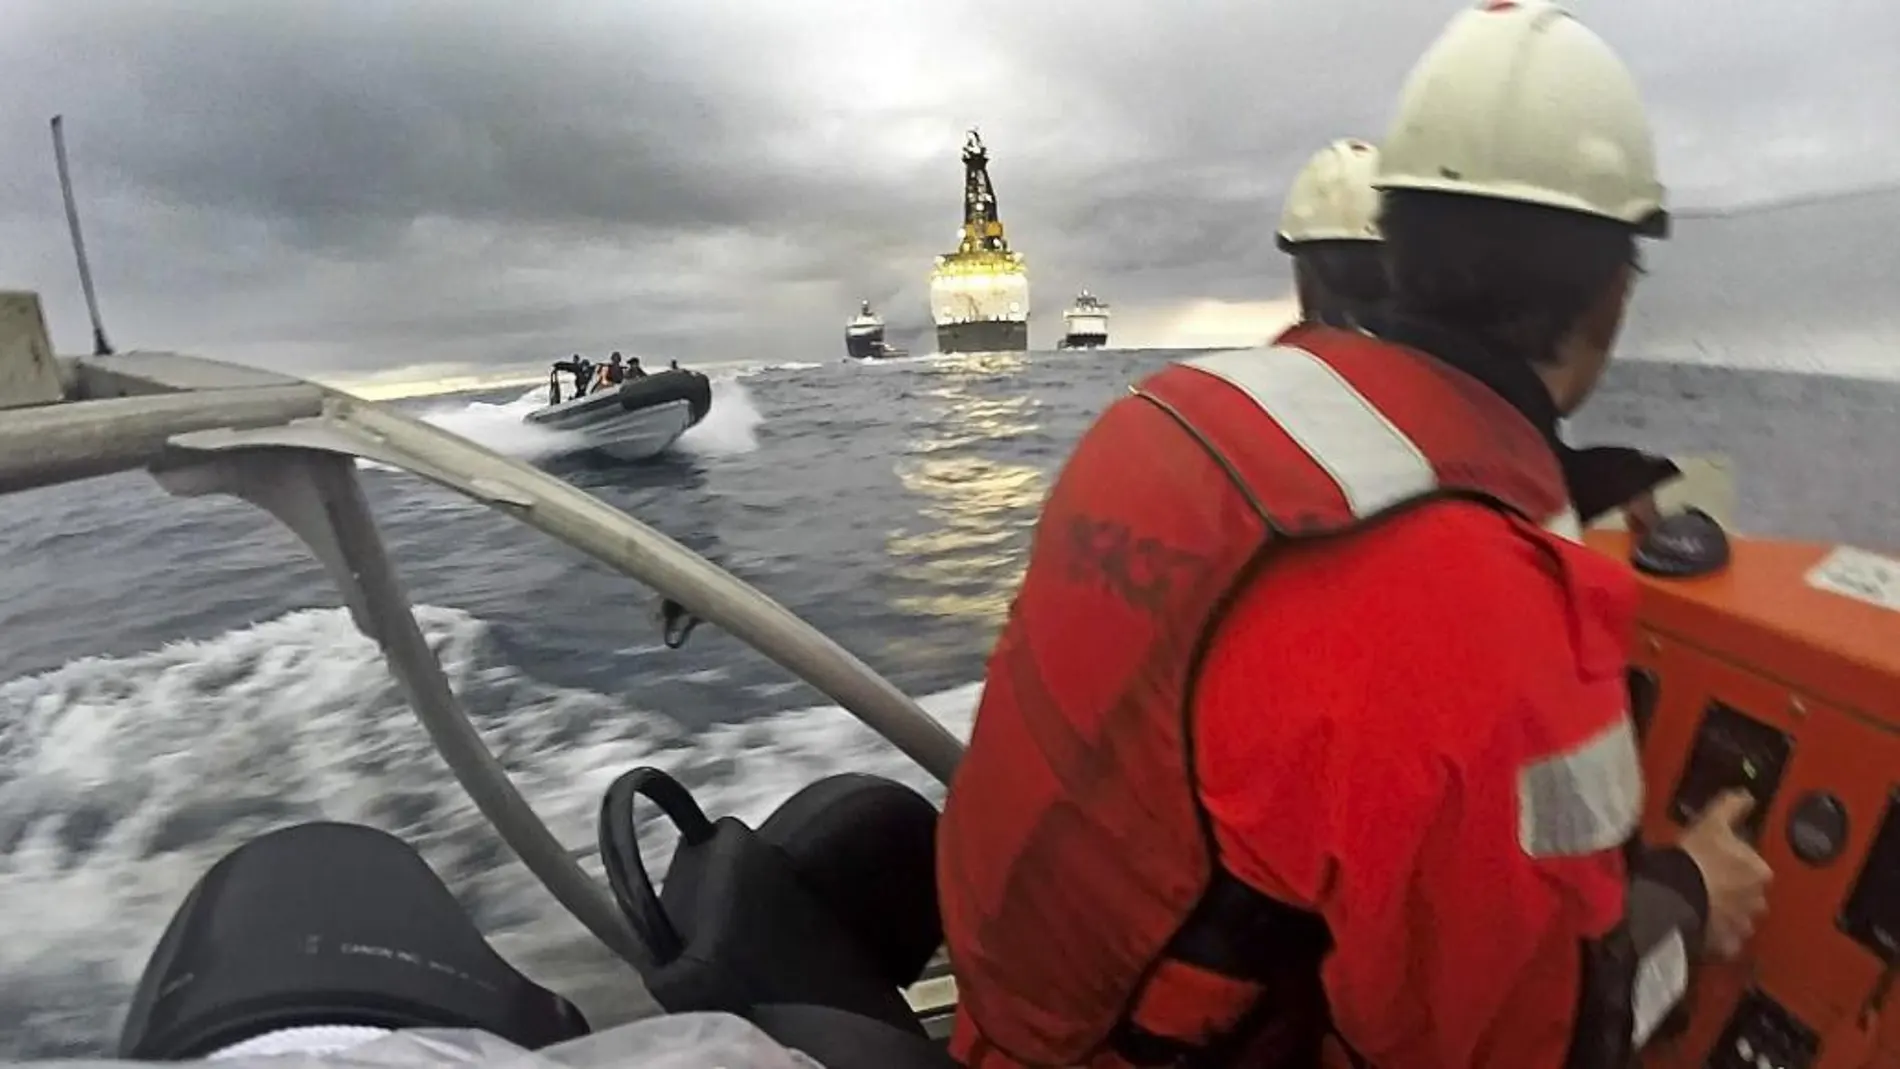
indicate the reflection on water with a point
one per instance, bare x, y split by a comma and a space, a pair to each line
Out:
970, 564
968, 556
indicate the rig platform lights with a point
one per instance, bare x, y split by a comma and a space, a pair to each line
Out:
979, 294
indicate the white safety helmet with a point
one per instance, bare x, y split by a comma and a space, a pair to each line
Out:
1517, 100
1332, 198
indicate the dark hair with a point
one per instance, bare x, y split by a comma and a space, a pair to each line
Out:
1343, 279
1519, 276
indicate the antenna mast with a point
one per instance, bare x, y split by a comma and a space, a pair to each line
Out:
100, 346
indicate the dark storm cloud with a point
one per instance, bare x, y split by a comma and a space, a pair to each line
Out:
374, 182
319, 114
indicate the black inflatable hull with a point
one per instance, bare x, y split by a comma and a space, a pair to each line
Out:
808, 926
864, 346
328, 924
658, 388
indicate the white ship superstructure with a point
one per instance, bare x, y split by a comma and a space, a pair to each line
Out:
1085, 324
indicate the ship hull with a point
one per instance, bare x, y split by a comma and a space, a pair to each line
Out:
867, 346
993, 336
1084, 341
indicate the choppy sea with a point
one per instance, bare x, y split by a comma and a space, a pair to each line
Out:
175, 675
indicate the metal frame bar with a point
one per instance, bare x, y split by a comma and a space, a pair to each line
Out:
204, 427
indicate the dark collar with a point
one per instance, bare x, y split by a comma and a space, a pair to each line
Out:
1599, 478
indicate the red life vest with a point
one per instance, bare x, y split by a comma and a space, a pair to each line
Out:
1084, 908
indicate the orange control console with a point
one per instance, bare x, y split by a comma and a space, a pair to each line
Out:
1781, 674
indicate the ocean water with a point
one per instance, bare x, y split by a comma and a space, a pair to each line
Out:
175, 676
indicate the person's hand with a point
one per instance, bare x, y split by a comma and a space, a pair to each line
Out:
1640, 515
1735, 875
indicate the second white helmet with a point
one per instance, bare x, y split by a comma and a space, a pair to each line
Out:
1332, 198
1517, 100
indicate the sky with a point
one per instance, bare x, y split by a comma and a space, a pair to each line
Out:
371, 185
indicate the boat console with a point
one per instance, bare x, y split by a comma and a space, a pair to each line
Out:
1780, 674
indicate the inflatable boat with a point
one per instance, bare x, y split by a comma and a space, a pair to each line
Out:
1768, 665
637, 419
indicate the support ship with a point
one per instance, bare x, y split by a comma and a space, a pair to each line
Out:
979, 294
864, 336
1087, 323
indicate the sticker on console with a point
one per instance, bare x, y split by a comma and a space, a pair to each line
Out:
1858, 574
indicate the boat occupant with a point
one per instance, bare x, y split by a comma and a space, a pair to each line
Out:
1306, 739
635, 371
581, 368
1329, 225
616, 372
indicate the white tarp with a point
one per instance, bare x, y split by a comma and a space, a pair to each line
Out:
679, 1041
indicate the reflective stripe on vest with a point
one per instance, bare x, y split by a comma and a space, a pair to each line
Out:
1088, 920
1374, 464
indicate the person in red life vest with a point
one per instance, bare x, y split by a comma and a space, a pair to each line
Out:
1306, 739
1329, 225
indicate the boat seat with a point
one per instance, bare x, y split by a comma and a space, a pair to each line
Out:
323, 923
830, 904
867, 847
